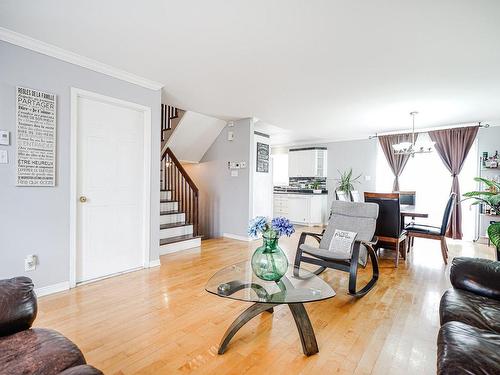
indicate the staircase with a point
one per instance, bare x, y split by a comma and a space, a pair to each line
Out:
179, 225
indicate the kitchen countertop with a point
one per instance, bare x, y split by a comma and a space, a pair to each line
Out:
301, 192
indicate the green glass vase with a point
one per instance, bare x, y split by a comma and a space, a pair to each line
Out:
269, 262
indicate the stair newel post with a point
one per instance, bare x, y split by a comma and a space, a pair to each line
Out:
196, 213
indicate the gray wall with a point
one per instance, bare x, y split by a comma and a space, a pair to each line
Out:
35, 220
225, 202
360, 155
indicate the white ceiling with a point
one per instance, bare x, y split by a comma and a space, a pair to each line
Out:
322, 70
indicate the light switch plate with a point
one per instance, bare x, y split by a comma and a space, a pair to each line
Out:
4, 138
4, 157
234, 173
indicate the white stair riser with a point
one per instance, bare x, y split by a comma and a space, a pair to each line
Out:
169, 206
165, 195
177, 231
178, 246
174, 218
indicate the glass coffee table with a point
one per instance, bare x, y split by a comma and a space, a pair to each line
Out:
294, 289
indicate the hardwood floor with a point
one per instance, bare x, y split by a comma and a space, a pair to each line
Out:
161, 320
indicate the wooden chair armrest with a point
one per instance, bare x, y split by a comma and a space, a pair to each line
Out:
373, 241
316, 236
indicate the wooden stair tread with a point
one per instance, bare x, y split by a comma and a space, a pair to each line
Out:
185, 237
171, 212
175, 225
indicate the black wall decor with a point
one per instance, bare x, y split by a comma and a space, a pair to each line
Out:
262, 157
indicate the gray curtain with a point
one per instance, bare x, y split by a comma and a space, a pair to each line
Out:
396, 162
453, 145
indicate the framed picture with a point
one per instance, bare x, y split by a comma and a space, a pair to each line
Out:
262, 157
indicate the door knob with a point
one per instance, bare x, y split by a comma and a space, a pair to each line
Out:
83, 199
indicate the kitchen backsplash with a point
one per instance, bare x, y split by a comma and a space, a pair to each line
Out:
301, 181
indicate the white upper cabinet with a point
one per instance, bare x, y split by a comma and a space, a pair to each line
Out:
307, 163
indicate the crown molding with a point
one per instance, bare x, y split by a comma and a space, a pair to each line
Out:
36, 45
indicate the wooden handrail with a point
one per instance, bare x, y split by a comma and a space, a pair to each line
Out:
181, 169
182, 188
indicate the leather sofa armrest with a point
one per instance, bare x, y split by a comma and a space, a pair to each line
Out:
476, 275
18, 306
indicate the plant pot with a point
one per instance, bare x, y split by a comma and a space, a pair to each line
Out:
269, 262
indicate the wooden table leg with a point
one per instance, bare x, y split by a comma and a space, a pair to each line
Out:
245, 316
306, 332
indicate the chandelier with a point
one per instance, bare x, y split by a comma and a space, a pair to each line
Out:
412, 148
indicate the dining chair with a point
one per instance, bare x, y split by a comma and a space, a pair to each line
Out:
342, 196
434, 232
356, 217
355, 196
408, 198
389, 230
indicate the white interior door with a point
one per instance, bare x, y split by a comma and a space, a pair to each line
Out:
110, 189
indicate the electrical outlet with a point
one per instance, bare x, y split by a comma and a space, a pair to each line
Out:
30, 262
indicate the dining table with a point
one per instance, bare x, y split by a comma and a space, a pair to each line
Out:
408, 210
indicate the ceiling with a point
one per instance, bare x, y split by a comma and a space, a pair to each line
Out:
320, 70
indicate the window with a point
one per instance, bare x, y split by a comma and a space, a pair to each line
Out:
427, 175
280, 169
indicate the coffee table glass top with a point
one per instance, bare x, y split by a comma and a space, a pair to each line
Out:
239, 282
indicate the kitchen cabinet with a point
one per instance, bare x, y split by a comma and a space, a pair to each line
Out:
303, 209
309, 162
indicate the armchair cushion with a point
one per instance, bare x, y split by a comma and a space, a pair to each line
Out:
472, 309
463, 349
476, 275
322, 253
38, 351
18, 305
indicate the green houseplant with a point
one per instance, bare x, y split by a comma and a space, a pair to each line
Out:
346, 181
490, 198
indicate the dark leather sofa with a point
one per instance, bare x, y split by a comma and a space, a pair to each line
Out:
469, 338
25, 350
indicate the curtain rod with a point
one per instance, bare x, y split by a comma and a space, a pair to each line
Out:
425, 130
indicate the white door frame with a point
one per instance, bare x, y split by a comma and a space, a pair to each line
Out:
146, 230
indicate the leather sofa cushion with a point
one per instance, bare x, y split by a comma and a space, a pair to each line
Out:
18, 305
472, 309
38, 351
463, 349
82, 370
480, 276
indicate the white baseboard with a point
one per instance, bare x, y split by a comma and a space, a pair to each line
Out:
154, 263
51, 289
237, 237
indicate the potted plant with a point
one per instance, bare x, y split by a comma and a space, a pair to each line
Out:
490, 198
346, 181
269, 262
316, 186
